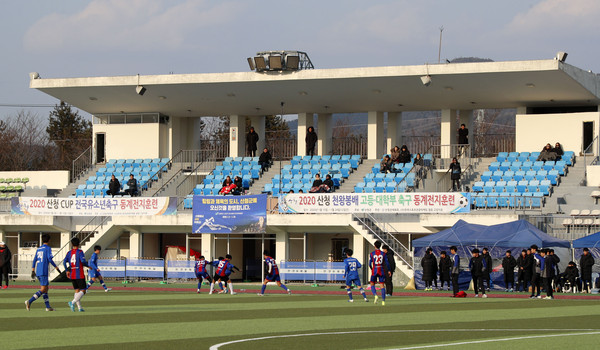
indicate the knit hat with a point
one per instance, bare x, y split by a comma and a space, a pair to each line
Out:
2, 243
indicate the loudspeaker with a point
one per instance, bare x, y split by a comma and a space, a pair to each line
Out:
140, 90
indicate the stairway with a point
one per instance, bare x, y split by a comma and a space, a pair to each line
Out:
357, 175
259, 185
70, 189
571, 190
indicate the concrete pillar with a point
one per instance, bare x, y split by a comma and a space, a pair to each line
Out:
208, 246
375, 135
394, 130
136, 244
258, 122
65, 238
447, 132
237, 136
465, 116
281, 246
359, 246
4, 239
324, 133
304, 121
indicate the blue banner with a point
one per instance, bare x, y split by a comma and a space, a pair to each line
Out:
145, 268
312, 271
230, 214
112, 268
180, 269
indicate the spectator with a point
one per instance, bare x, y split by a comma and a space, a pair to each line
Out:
386, 165
444, 269
536, 275
318, 186
522, 268
558, 149
5, 268
488, 268
455, 270
252, 138
404, 156
239, 186
395, 154
311, 141
478, 268
265, 159
570, 276
418, 164
463, 135
328, 182
389, 285
548, 273
429, 265
114, 186
508, 264
547, 153
228, 186
455, 174
133, 186
586, 262
556, 260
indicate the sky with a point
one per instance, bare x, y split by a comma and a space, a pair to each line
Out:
77, 38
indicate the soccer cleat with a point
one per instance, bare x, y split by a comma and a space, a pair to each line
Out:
350, 300
383, 303
376, 298
539, 297
366, 300
476, 295
81, 310
27, 305
511, 290
289, 292
506, 290
233, 293
49, 309
198, 291
4, 287
260, 294
223, 291
484, 296
107, 290
532, 297
548, 298
71, 306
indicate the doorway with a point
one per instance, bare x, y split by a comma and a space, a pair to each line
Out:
100, 148
338, 247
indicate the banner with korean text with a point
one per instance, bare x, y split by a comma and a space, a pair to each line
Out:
136, 206
229, 214
420, 202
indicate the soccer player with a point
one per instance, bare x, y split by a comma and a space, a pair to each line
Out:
74, 262
272, 274
351, 274
377, 259
39, 269
200, 270
224, 269
95, 270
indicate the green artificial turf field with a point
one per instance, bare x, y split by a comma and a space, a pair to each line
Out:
166, 319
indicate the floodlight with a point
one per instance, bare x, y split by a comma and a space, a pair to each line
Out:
561, 56
275, 63
426, 80
251, 63
292, 62
260, 63
34, 75
140, 90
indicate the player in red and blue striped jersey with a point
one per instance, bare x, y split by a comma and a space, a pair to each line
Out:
94, 271
39, 269
224, 269
75, 262
351, 266
200, 271
272, 274
377, 259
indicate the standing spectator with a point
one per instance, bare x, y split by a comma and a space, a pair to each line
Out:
404, 156
418, 163
586, 262
536, 275
251, 139
558, 149
386, 165
389, 285
463, 135
478, 268
5, 268
529, 270
395, 154
521, 265
264, 160
455, 174
114, 186
311, 141
548, 273
455, 270
508, 264
556, 260
488, 270
429, 265
133, 186
444, 268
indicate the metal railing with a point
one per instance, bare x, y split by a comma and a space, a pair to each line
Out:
489, 145
565, 227
188, 162
284, 149
420, 144
219, 146
81, 164
349, 145
84, 234
594, 149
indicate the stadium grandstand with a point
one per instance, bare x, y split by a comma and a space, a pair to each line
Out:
148, 126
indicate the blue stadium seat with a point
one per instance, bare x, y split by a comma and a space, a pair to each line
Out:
494, 166
478, 186
504, 166
486, 176
502, 156
480, 202
549, 165
497, 175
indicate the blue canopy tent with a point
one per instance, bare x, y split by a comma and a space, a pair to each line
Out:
498, 238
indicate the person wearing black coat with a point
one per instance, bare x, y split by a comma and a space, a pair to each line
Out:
444, 269
488, 269
404, 156
5, 268
264, 160
508, 264
522, 269
455, 172
252, 139
389, 285
478, 269
114, 186
463, 133
556, 260
586, 262
429, 265
311, 141
570, 275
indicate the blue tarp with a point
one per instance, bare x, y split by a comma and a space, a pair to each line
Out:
591, 241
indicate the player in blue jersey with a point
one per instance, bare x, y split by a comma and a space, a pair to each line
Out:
272, 274
94, 270
351, 266
377, 259
200, 271
39, 269
75, 262
224, 268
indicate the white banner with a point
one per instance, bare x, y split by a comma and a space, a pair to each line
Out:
412, 202
137, 206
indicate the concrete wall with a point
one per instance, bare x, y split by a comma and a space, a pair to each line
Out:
534, 131
55, 179
131, 140
593, 175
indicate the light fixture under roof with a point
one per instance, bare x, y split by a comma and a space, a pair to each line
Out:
162, 97
448, 88
303, 93
376, 91
92, 98
530, 85
231, 94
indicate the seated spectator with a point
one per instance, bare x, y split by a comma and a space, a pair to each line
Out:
547, 153
228, 186
133, 186
265, 159
300, 191
318, 186
405, 156
239, 186
569, 277
395, 154
386, 165
558, 149
418, 164
329, 183
114, 186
